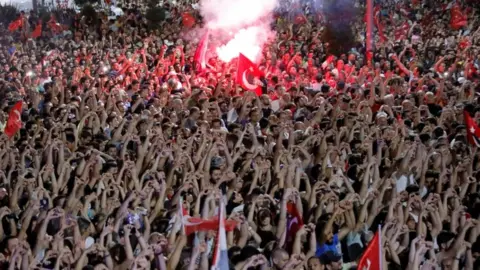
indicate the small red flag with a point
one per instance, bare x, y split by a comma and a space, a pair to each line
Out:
200, 54
401, 31
458, 18
188, 20
300, 19
248, 75
56, 27
37, 32
15, 25
328, 61
371, 258
14, 122
473, 132
378, 24
295, 221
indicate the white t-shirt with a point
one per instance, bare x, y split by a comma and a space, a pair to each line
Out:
403, 182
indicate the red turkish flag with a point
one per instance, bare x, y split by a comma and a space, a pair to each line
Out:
188, 20
401, 31
13, 26
473, 132
14, 122
248, 75
37, 32
458, 18
200, 54
371, 258
195, 224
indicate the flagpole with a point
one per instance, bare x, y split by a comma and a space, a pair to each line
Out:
180, 214
380, 246
369, 40
238, 64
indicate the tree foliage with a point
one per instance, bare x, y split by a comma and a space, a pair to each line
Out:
90, 14
156, 15
8, 13
82, 3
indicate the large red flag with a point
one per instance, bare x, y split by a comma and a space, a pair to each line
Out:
191, 225
458, 18
15, 25
248, 75
473, 132
200, 54
14, 122
195, 224
372, 257
37, 32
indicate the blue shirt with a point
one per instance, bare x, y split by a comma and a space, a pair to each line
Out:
334, 246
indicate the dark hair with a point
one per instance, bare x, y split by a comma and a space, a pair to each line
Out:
4, 243
118, 253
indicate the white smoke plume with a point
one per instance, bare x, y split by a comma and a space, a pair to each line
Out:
245, 24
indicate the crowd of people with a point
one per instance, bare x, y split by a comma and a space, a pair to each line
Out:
123, 145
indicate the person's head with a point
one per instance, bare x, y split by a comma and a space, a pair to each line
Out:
217, 123
447, 263
445, 240
381, 119
264, 217
429, 98
118, 253
84, 226
331, 260
314, 264
102, 266
144, 93
141, 263
215, 174
9, 243
323, 235
255, 115
194, 113
135, 85
279, 258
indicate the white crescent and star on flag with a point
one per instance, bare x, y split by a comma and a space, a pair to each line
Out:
246, 83
17, 121
256, 81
